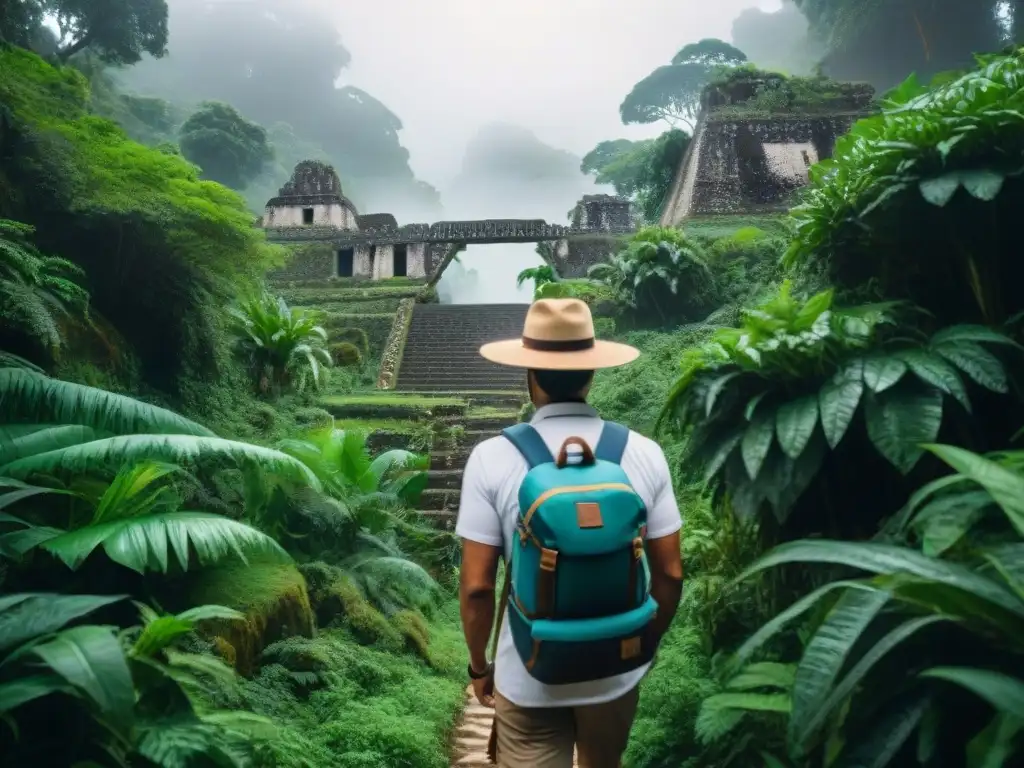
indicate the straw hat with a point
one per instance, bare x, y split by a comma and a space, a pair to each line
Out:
558, 335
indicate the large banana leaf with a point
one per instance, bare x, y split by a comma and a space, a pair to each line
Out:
148, 542
92, 660
174, 449
27, 616
17, 442
33, 398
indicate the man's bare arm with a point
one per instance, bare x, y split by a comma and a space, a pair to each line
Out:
477, 578
666, 564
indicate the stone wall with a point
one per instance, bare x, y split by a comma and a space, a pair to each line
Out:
314, 261
575, 256
286, 214
752, 165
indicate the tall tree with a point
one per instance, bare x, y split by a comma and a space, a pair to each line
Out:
641, 170
883, 41
119, 31
672, 92
230, 149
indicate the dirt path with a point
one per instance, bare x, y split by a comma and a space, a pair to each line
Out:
472, 734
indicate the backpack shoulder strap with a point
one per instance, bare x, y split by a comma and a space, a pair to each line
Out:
529, 443
612, 443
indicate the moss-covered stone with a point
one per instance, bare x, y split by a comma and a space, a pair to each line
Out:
414, 630
273, 598
338, 602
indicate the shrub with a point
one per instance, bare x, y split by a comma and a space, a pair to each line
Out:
345, 354
356, 336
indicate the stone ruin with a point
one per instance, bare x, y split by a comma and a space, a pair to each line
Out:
311, 210
752, 150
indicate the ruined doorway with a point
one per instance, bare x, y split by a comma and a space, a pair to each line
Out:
346, 262
307, 215
401, 261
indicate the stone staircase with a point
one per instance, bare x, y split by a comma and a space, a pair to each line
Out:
442, 349
483, 419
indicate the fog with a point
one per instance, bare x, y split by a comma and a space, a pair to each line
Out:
452, 109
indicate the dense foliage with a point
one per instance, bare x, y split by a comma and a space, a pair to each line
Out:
229, 148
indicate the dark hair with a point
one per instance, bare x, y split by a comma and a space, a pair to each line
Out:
563, 386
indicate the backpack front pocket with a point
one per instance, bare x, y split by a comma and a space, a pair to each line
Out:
561, 651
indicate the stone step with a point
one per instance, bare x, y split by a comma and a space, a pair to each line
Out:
440, 500
442, 347
444, 478
441, 519
442, 460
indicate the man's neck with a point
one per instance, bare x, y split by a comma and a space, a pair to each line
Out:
540, 402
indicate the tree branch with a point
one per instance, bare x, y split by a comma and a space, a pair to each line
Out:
66, 53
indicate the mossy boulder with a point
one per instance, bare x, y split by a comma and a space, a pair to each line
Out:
274, 599
337, 601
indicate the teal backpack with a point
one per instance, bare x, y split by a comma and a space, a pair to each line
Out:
578, 586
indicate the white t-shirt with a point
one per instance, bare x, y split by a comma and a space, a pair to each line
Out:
489, 506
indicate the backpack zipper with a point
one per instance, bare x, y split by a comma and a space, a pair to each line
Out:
571, 489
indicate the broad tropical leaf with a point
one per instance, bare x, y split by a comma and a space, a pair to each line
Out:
27, 616
1004, 693
171, 449
838, 401
795, 423
91, 659
1005, 487
32, 398
148, 542
899, 422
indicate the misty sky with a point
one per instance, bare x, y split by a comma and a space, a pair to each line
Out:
558, 67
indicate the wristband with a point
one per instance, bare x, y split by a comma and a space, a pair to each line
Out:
479, 675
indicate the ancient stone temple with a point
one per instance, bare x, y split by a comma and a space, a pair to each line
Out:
754, 145
332, 239
311, 208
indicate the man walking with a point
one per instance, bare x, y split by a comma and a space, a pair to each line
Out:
583, 513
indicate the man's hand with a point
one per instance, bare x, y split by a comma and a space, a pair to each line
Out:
484, 689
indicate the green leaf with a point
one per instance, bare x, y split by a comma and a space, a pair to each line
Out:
824, 657
715, 389
900, 421
91, 659
982, 184
979, 364
881, 372
886, 559
886, 738
943, 522
752, 404
146, 543
1004, 693
28, 616
720, 454
838, 401
996, 745
22, 690
975, 333
794, 424
763, 674
832, 699
940, 190
757, 441
1005, 487
932, 369
778, 622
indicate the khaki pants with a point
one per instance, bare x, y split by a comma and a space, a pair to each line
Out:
544, 737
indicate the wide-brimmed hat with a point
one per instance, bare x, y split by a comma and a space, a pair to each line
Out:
558, 335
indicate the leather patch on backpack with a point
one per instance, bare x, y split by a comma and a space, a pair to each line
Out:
588, 515
630, 648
